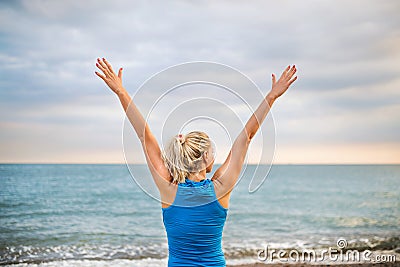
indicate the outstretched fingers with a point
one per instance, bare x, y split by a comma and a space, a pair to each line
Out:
292, 71
286, 79
103, 67
101, 76
284, 73
110, 69
292, 80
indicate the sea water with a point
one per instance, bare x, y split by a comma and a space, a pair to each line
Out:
96, 215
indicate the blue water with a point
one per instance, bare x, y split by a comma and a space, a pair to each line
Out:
85, 214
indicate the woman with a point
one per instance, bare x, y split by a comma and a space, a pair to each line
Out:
194, 208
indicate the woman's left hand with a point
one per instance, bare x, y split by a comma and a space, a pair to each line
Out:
279, 87
110, 78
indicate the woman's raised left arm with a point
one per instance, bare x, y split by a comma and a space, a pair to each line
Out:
149, 143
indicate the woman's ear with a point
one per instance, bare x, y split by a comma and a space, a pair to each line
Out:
205, 155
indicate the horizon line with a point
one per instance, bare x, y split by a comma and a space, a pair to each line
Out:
123, 163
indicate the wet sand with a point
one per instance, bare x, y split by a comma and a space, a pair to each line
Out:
383, 264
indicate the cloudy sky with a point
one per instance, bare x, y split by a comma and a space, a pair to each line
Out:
344, 107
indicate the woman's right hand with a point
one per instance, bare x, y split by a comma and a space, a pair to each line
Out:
280, 86
110, 78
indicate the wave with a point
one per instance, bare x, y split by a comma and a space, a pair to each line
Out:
157, 253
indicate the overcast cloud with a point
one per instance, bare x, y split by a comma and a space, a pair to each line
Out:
344, 107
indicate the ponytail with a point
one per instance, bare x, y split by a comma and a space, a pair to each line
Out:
183, 154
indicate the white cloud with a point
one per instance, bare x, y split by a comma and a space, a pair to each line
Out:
347, 54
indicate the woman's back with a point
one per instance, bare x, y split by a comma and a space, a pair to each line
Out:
194, 224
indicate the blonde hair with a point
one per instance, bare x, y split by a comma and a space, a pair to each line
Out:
184, 154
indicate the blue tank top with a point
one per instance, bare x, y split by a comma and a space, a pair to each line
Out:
194, 223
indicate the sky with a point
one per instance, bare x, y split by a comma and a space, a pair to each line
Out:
344, 107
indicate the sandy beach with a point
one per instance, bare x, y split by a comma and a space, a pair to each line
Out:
383, 264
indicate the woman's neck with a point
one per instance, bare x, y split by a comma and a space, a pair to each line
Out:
197, 177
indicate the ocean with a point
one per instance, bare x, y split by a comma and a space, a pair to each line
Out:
96, 215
